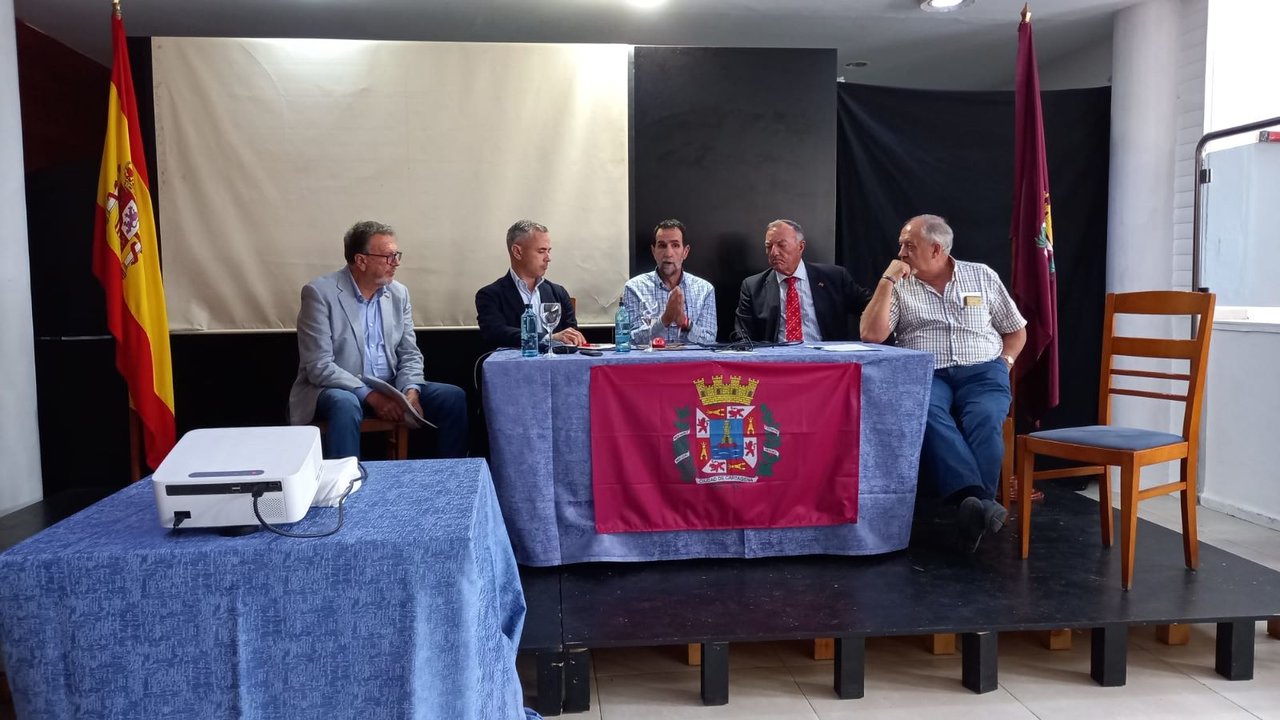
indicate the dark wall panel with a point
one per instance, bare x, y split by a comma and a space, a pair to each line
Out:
726, 140
906, 152
64, 101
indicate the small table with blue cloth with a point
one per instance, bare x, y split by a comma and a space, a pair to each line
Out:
539, 419
412, 610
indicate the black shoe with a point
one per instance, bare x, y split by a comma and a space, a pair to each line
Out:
994, 516
971, 522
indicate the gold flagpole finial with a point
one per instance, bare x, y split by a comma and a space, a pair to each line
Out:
1026, 11
115, 8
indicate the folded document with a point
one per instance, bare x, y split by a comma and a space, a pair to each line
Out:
411, 416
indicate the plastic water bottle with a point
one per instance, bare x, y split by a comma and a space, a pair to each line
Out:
528, 332
622, 330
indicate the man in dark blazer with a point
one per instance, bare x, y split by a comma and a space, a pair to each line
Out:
824, 296
500, 304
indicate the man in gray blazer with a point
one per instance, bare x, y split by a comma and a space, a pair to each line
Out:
358, 322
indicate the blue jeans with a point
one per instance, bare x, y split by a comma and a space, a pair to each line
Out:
444, 405
963, 446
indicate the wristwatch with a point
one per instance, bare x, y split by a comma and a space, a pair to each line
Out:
1009, 359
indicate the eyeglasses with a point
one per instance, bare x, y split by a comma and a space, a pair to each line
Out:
391, 258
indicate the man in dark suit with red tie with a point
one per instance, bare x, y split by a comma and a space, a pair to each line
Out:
796, 300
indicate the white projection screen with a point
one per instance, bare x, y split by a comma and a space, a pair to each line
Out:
268, 150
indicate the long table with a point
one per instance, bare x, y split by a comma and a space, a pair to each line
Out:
538, 414
412, 610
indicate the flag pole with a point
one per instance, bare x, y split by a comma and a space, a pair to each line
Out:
135, 422
1011, 453
135, 445
1013, 253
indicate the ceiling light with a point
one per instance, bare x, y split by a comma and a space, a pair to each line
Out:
857, 64
943, 5
646, 4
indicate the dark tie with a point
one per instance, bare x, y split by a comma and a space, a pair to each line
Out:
795, 331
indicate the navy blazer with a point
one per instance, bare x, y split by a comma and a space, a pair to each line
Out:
499, 307
835, 297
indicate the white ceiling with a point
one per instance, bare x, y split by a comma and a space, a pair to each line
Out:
972, 48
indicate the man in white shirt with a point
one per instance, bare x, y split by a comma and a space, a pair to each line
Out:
500, 304
960, 312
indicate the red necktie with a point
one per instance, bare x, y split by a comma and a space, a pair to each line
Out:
795, 331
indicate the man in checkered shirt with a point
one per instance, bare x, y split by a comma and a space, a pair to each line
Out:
670, 303
960, 312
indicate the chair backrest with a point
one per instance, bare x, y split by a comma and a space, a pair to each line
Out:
1198, 305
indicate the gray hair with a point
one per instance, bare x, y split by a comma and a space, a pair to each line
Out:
938, 232
789, 223
522, 229
356, 241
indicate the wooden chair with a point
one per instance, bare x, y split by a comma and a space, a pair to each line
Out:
1008, 470
397, 435
1132, 448
1008, 482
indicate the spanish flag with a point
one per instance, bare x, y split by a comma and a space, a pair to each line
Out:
126, 259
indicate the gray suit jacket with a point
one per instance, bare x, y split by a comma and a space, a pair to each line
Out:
331, 341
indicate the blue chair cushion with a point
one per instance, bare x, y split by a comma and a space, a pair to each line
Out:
1111, 437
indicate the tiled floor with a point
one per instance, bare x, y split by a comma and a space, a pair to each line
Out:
779, 680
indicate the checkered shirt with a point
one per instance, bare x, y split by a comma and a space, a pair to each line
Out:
963, 325
645, 297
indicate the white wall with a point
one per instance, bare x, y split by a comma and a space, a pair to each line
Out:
1241, 475
20, 482
1140, 226
1191, 127
1143, 134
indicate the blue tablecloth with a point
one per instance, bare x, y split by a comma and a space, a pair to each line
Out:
412, 610
538, 415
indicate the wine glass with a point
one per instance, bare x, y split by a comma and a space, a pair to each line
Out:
648, 321
550, 313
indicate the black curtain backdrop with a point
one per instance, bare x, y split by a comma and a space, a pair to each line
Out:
906, 152
727, 140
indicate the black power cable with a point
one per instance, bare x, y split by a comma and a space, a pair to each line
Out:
257, 493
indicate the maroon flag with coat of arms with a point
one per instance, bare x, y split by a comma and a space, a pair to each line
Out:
716, 445
1035, 280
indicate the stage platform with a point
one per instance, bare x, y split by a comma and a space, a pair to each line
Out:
1069, 582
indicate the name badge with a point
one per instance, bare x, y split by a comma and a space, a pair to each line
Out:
972, 299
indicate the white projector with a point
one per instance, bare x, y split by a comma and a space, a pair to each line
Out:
210, 477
